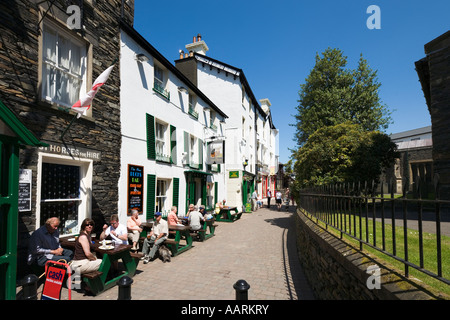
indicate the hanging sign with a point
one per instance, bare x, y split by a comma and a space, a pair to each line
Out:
216, 152
135, 188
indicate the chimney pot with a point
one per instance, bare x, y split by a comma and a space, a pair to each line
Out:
195, 39
199, 37
181, 54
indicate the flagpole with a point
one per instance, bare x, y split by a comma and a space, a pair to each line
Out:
70, 124
76, 116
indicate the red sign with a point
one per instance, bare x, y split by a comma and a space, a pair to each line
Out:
53, 283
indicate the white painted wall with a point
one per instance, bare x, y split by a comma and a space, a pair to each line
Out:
137, 99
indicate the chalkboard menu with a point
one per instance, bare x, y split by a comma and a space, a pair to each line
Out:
135, 188
25, 190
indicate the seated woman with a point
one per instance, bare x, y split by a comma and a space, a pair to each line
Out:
83, 258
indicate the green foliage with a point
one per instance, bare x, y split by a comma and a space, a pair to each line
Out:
334, 94
344, 152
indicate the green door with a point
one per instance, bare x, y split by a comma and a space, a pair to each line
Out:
16, 135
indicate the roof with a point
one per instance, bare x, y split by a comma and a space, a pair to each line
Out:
21, 133
234, 71
166, 63
411, 133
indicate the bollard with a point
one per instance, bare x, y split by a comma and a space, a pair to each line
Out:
241, 287
29, 286
125, 288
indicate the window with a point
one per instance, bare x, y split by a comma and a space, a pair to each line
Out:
212, 118
63, 67
60, 195
193, 148
161, 142
159, 85
192, 106
162, 205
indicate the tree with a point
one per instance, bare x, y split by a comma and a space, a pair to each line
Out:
343, 153
334, 94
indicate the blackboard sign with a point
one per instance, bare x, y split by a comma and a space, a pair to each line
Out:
135, 188
25, 190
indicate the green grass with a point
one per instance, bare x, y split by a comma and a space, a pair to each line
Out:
429, 249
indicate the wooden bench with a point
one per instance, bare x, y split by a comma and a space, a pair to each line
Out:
92, 275
93, 281
172, 245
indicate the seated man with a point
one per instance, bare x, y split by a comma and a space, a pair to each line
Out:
156, 237
194, 219
117, 232
44, 244
172, 218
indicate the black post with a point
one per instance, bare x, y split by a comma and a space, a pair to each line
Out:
125, 288
29, 286
241, 287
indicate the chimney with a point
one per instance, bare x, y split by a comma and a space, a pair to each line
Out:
198, 45
265, 105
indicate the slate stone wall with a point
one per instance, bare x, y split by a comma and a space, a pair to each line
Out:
434, 74
337, 271
19, 90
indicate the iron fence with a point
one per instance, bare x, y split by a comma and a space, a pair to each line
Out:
398, 225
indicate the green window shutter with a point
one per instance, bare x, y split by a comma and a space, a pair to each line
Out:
173, 145
176, 191
186, 146
200, 154
151, 148
151, 191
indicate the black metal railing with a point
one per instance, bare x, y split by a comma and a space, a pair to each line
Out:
394, 224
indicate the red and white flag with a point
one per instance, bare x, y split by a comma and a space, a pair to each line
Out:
82, 105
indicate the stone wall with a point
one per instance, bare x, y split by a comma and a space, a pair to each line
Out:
20, 91
337, 271
434, 75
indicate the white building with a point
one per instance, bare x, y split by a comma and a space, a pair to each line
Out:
166, 123
251, 139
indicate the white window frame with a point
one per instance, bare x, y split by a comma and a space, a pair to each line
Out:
86, 172
162, 194
48, 80
162, 142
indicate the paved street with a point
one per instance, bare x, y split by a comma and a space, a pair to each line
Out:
259, 248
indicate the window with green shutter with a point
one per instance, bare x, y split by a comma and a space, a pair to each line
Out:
176, 191
200, 154
151, 192
173, 145
151, 150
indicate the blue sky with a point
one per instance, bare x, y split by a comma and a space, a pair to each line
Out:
275, 44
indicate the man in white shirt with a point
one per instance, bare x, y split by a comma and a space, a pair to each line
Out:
116, 231
157, 236
194, 219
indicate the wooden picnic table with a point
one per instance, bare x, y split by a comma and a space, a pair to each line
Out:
228, 214
174, 244
208, 224
98, 281
180, 231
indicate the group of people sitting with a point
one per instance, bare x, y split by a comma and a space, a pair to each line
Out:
160, 229
44, 244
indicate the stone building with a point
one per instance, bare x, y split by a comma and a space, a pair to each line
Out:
434, 76
415, 162
50, 53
